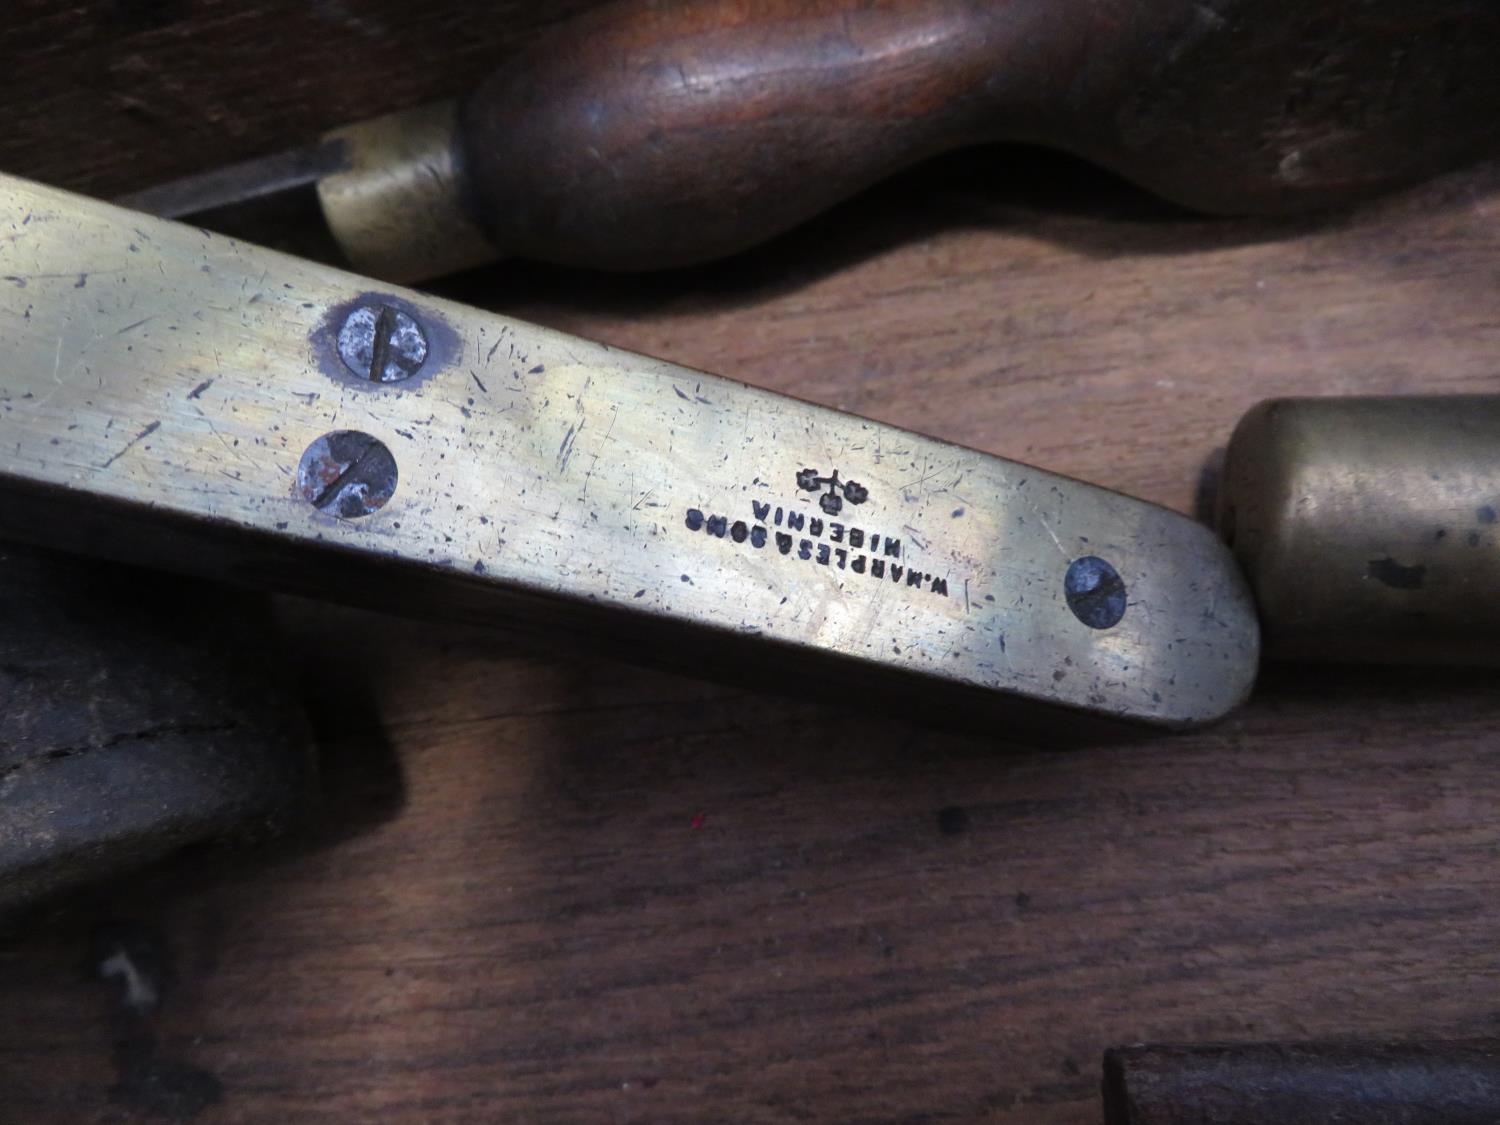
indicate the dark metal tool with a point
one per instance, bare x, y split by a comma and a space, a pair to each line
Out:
1436, 1083
654, 133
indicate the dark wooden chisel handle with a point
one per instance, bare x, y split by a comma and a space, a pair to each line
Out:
655, 133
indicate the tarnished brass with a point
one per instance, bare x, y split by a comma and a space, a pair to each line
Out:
1368, 526
395, 209
165, 392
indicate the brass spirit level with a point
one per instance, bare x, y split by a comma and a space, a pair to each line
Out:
177, 398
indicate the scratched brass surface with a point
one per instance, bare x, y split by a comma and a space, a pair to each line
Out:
1369, 526
179, 374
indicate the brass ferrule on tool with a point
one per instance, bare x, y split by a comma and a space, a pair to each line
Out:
397, 208
1369, 528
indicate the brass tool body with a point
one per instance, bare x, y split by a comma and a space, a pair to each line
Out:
181, 399
1369, 528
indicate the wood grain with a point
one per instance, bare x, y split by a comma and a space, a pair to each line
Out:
110, 96
656, 133
557, 889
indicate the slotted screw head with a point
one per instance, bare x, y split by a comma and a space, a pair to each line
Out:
1095, 592
382, 344
348, 474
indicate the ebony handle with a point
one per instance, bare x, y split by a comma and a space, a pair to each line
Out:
653, 133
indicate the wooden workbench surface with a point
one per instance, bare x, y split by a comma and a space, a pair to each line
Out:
553, 888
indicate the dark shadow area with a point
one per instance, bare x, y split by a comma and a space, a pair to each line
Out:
356, 780
819, 731
990, 188
1054, 197
696, 813
1429, 690
1206, 491
787, 739
816, 724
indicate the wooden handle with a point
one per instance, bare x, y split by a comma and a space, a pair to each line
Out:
658, 134
654, 133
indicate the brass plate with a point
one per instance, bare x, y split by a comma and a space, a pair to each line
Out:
162, 385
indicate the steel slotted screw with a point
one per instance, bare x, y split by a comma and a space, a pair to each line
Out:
382, 344
347, 473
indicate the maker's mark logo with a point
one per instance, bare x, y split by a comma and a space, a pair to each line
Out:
790, 532
831, 501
